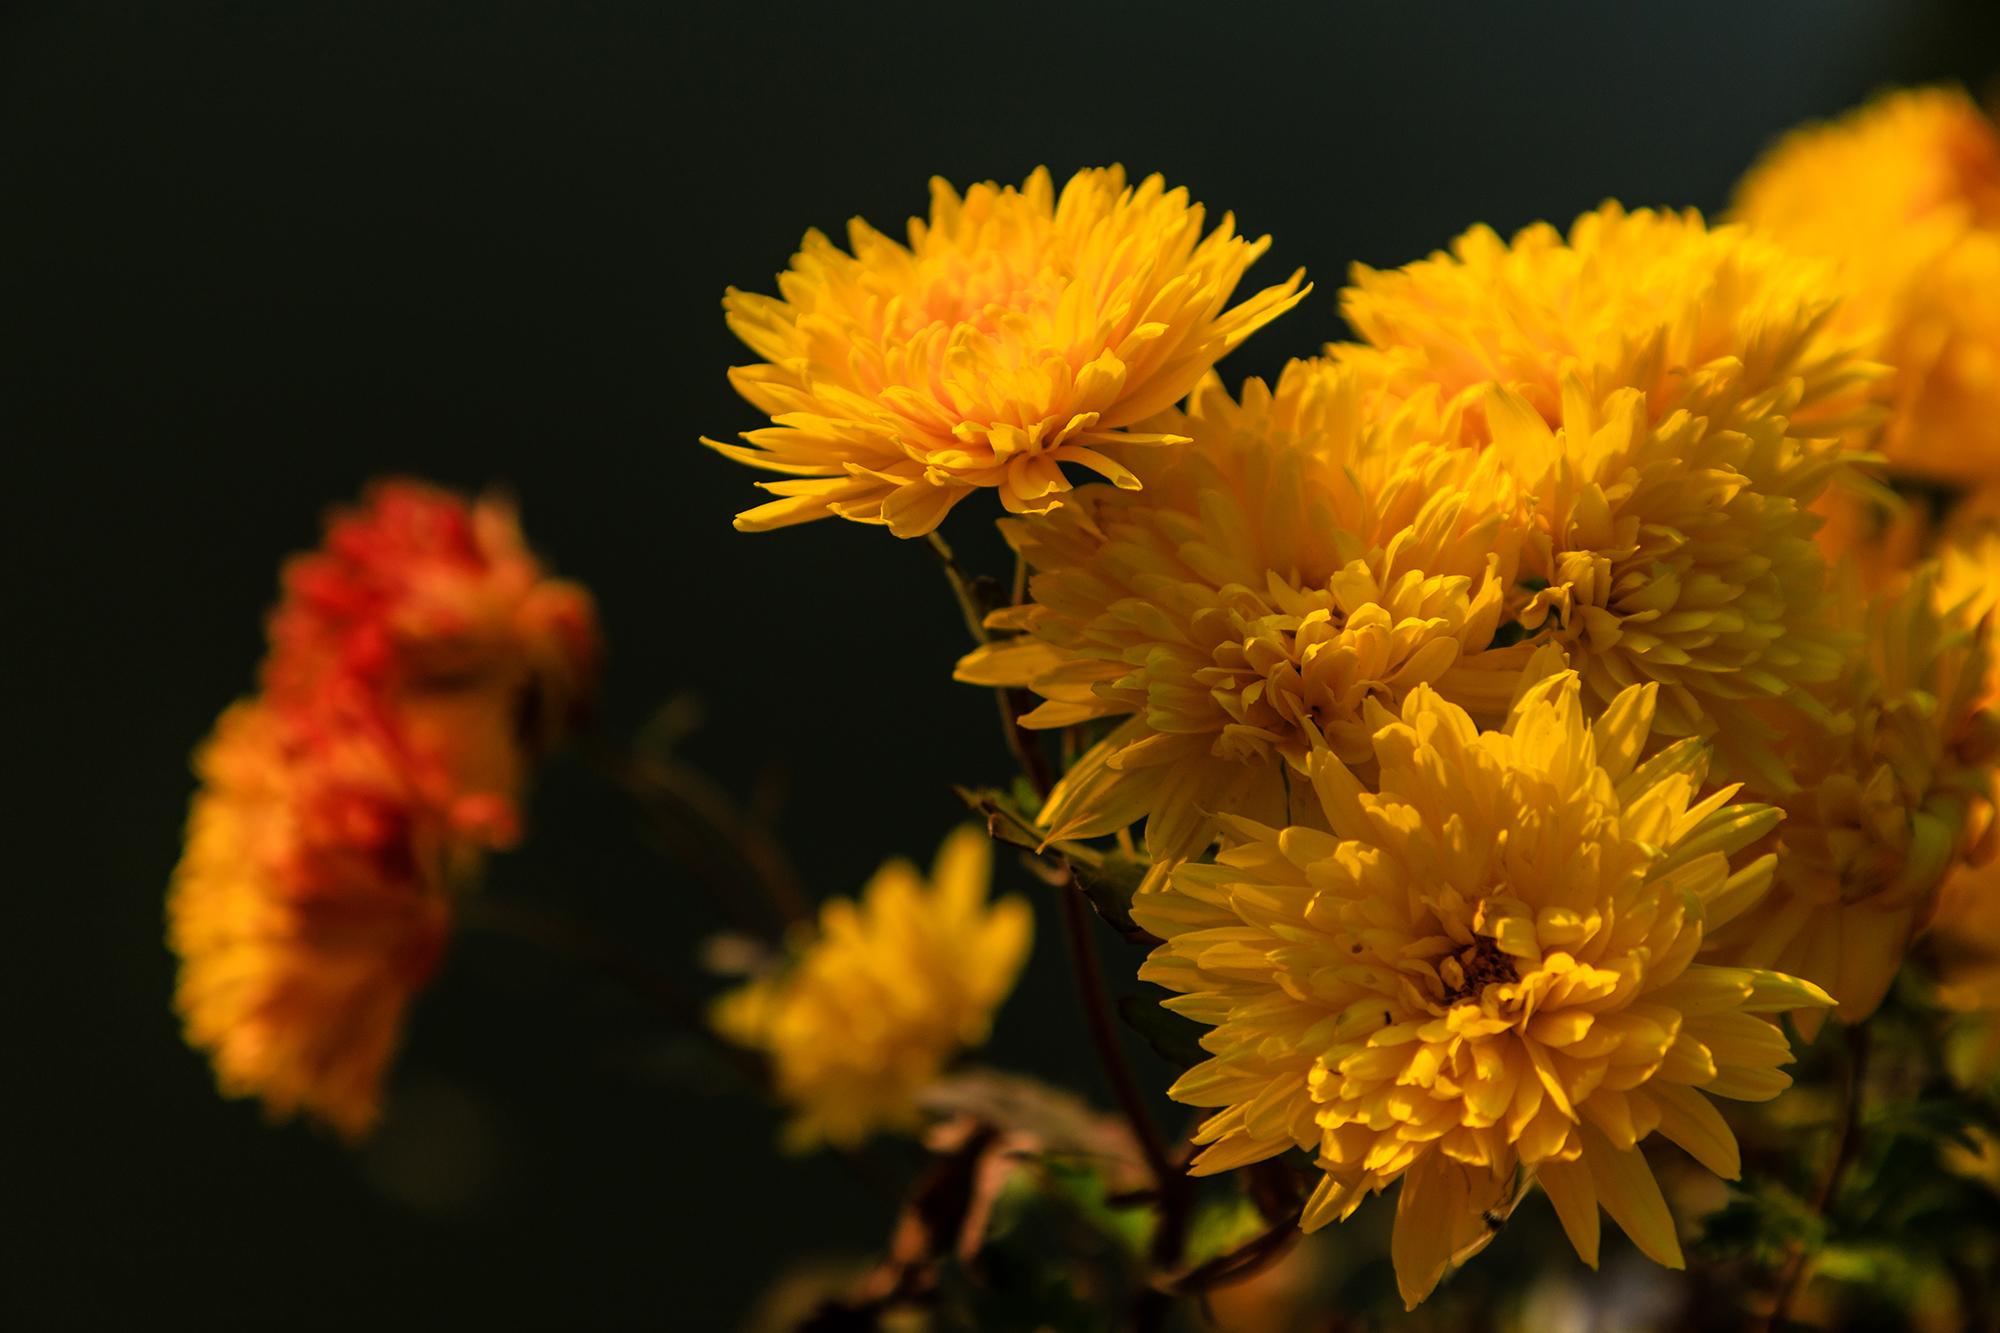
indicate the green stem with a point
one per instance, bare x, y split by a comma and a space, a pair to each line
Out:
1845, 1146
962, 587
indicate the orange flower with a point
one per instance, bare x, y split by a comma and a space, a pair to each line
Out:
437, 614
1904, 196
419, 663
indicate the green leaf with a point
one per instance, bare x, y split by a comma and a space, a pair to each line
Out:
1107, 878
1110, 884
1174, 1037
1936, 1119
1004, 818
1762, 1223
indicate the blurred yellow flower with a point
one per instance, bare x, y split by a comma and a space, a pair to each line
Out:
1017, 332
1289, 563
1904, 195
1965, 924
1485, 966
1888, 786
869, 1011
1665, 395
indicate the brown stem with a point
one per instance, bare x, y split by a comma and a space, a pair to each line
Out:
586, 945
1026, 744
961, 586
1174, 1186
1845, 1145
1246, 1260
677, 794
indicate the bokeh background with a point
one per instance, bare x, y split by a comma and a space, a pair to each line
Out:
253, 255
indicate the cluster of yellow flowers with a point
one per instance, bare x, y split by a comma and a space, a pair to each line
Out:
1514, 736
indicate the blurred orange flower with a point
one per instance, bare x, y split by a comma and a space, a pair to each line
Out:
420, 661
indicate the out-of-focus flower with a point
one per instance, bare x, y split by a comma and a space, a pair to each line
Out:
435, 614
1888, 787
1289, 563
1882, 534
889, 990
1017, 332
1965, 924
1667, 396
313, 899
1904, 195
419, 663
1486, 966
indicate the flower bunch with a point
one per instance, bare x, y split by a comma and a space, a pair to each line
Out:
419, 663
1433, 674
1506, 732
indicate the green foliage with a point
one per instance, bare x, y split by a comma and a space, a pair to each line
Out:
1058, 1256
1174, 1037
1762, 1222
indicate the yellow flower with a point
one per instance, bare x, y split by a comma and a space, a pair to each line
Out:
1014, 334
1904, 195
1664, 394
1486, 966
1289, 563
1887, 780
869, 1012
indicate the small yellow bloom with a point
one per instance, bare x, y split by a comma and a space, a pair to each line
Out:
869, 1012
1904, 195
1665, 395
1017, 332
1486, 966
1888, 785
1289, 563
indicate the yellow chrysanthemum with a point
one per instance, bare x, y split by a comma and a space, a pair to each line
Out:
1289, 563
1965, 924
1016, 333
1888, 782
1484, 967
869, 1012
1904, 195
1665, 395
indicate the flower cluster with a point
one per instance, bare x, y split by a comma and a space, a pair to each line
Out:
1590, 460
419, 663
1502, 719
872, 1005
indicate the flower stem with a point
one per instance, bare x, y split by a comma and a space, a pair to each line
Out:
1173, 1183
698, 819
1176, 1189
1841, 1152
584, 944
962, 586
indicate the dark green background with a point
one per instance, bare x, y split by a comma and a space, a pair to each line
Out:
253, 255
